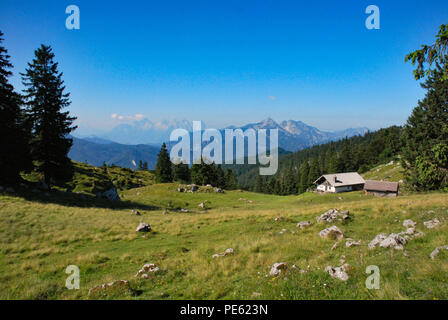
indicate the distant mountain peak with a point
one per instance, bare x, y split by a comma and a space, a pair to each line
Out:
269, 120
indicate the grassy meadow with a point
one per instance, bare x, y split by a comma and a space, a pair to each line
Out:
41, 234
392, 171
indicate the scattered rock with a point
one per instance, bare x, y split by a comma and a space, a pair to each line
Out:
304, 224
201, 205
184, 210
410, 233
351, 243
332, 215
111, 194
190, 188
409, 223
146, 270
282, 231
143, 227
338, 272
431, 223
279, 219
229, 251
135, 213
218, 190
377, 240
277, 268
331, 233
418, 235
437, 251
393, 241
112, 286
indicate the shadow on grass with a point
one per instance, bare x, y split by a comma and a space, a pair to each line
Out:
80, 200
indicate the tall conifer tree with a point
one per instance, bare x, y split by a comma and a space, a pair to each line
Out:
163, 167
14, 135
45, 99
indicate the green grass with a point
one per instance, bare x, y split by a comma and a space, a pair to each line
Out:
90, 180
42, 235
391, 171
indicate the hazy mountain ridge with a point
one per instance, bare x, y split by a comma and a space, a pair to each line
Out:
145, 137
121, 155
293, 135
145, 131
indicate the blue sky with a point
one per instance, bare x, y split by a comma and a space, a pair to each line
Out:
230, 62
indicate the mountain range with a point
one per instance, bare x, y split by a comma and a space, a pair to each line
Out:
126, 144
144, 131
96, 152
296, 135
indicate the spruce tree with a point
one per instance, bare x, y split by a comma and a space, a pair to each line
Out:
163, 166
425, 154
195, 174
45, 99
314, 172
104, 167
14, 135
304, 178
426, 131
230, 179
181, 172
220, 177
290, 183
259, 184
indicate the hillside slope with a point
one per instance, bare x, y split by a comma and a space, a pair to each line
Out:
91, 180
391, 171
41, 238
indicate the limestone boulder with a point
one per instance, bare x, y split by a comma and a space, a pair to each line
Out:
332, 232
277, 268
143, 227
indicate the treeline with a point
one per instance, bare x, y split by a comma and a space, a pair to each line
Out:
34, 128
298, 171
202, 173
